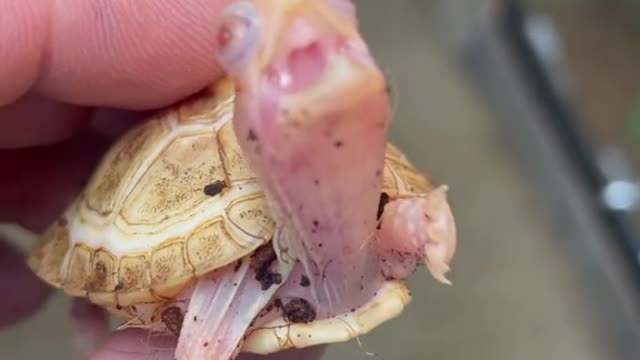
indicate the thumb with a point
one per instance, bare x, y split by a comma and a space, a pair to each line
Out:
118, 53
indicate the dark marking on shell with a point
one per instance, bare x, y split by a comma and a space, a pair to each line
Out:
304, 281
99, 277
214, 188
172, 319
299, 310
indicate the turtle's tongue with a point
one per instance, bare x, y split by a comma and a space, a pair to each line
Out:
224, 305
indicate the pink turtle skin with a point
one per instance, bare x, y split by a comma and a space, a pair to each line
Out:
311, 115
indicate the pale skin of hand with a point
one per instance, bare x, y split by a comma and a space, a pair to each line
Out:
61, 62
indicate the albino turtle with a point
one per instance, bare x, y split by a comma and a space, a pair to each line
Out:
269, 240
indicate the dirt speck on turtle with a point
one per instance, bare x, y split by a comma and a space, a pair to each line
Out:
299, 310
261, 261
251, 136
214, 188
304, 281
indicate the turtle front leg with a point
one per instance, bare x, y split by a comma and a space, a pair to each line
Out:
415, 229
224, 305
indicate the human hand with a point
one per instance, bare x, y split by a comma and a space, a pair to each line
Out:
64, 64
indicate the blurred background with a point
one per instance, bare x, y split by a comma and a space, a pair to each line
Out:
530, 111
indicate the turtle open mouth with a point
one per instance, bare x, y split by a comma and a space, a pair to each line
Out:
314, 64
311, 58
303, 66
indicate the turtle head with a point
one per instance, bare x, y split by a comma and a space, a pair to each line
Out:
298, 53
311, 115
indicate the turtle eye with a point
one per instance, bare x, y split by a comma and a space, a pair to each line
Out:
345, 7
237, 34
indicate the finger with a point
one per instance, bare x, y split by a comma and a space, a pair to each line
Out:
35, 120
121, 53
136, 344
313, 353
23, 35
24, 292
90, 326
38, 183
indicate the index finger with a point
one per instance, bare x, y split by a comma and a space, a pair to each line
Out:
132, 54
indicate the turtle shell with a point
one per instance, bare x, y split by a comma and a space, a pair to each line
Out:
171, 200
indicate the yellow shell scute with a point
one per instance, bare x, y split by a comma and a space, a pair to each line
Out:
170, 269
47, 257
120, 165
252, 216
210, 245
235, 166
401, 177
209, 106
133, 274
78, 270
104, 276
390, 182
173, 185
